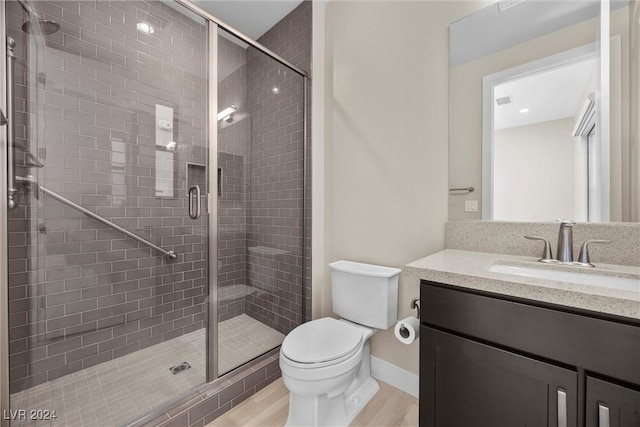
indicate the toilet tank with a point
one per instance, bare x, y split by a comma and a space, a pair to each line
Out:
364, 293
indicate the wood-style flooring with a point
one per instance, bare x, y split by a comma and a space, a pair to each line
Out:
390, 407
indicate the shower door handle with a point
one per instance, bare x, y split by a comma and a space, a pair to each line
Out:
194, 202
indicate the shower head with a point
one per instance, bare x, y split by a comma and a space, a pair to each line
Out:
35, 24
41, 26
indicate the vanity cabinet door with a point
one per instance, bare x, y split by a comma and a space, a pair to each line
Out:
466, 383
610, 405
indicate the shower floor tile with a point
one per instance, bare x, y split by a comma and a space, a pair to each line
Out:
120, 390
243, 338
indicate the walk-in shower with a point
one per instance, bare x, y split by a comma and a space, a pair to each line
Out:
149, 246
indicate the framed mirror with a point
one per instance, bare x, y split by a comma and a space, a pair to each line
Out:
542, 112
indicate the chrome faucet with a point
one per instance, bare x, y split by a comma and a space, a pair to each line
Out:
584, 260
547, 254
565, 242
565, 247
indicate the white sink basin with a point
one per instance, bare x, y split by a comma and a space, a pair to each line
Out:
579, 277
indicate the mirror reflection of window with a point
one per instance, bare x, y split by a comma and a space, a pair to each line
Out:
165, 148
164, 173
118, 172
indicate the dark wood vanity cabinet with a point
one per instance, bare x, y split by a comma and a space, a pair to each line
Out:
610, 404
480, 385
492, 361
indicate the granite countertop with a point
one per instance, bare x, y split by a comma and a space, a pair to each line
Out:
471, 270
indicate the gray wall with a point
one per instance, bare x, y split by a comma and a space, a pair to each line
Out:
260, 153
94, 295
275, 296
81, 293
291, 39
233, 150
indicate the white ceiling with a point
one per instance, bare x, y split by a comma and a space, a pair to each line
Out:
549, 95
490, 30
251, 17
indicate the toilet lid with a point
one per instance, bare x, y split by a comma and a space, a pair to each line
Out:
321, 340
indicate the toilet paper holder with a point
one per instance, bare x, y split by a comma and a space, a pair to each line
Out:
415, 303
403, 331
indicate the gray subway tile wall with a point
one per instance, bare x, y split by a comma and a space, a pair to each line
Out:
276, 278
80, 292
233, 149
262, 204
275, 196
291, 39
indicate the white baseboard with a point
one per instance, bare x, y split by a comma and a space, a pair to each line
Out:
397, 377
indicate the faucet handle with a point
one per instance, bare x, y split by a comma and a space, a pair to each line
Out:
547, 256
583, 258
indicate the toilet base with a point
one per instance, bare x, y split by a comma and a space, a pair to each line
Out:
336, 411
341, 404
360, 398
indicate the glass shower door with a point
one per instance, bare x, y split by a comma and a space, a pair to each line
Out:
108, 245
260, 202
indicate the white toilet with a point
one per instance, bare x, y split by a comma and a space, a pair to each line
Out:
326, 363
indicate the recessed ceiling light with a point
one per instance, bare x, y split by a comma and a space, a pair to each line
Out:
524, 110
275, 90
145, 28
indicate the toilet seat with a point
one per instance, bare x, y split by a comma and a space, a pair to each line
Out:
322, 342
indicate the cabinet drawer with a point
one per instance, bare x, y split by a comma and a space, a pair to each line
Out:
607, 347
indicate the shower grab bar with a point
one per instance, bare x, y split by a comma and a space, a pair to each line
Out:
171, 255
12, 191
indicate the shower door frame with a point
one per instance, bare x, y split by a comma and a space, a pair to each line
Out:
212, 300
213, 24
4, 269
212, 203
